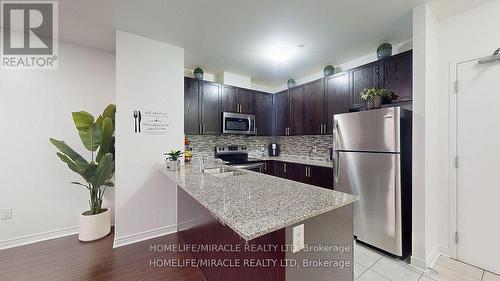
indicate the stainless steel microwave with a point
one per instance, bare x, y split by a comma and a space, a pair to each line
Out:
238, 124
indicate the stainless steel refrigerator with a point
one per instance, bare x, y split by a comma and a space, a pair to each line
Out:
372, 159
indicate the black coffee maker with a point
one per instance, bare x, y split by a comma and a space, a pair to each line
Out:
274, 149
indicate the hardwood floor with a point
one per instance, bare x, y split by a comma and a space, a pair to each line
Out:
69, 259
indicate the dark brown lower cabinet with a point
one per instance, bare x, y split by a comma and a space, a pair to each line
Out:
269, 167
321, 176
280, 169
297, 172
313, 175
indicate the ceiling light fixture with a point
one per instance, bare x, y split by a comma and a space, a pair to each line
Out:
279, 53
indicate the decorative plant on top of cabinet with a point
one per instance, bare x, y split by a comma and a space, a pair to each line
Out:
96, 135
374, 97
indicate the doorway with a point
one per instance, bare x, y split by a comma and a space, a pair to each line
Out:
477, 176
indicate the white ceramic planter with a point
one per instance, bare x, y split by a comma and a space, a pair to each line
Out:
94, 227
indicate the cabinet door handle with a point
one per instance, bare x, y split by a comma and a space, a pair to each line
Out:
199, 129
284, 167
306, 173
203, 129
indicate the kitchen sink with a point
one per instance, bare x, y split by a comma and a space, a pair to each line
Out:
222, 172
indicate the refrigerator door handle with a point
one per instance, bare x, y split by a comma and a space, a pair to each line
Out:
336, 161
337, 166
336, 135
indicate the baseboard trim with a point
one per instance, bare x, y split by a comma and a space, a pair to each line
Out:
145, 235
38, 237
433, 257
419, 264
444, 250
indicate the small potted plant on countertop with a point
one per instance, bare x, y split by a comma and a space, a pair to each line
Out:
173, 159
375, 96
97, 135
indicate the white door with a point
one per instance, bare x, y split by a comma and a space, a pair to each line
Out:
478, 178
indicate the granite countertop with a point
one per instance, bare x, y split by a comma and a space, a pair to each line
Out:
254, 204
299, 160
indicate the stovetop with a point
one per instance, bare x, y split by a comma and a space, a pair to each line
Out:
234, 154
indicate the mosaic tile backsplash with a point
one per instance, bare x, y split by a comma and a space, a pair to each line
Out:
291, 146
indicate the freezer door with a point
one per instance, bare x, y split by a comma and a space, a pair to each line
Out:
372, 130
375, 178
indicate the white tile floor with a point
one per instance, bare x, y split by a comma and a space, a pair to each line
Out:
373, 266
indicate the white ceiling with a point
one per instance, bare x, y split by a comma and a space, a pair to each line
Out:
229, 35
88, 23
232, 35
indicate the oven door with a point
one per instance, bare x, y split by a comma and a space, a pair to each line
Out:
256, 167
240, 124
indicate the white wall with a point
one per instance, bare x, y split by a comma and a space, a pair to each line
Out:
36, 105
466, 36
425, 249
234, 79
149, 76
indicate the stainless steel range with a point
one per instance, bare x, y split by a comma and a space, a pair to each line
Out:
237, 156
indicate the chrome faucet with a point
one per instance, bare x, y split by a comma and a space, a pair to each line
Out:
202, 164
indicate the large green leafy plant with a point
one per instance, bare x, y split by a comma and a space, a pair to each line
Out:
97, 137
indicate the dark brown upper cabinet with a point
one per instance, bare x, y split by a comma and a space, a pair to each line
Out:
366, 76
191, 106
263, 114
296, 97
398, 75
246, 101
229, 99
210, 118
281, 113
336, 97
314, 108
237, 100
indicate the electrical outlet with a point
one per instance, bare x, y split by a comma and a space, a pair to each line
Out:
298, 238
6, 214
315, 149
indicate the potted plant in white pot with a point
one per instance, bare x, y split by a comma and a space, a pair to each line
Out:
97, 136
173, 160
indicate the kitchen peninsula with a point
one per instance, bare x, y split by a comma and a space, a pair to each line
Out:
259, 214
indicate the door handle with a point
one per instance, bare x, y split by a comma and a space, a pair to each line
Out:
336, 131
337, 166
306, 173
388, 116
284, 167
249, 125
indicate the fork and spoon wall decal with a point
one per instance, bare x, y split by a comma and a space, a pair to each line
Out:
137, 121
